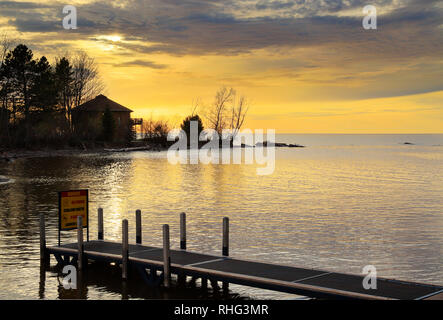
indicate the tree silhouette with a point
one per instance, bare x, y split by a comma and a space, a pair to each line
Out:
186, 126
64, 77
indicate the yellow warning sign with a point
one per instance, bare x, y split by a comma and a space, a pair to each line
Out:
71, 205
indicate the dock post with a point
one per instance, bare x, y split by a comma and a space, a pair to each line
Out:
80, 258
100, 224
125, 249
225, 249
138, 227
44, 257
166, 257
183, 231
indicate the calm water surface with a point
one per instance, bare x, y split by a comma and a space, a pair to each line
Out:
343, 202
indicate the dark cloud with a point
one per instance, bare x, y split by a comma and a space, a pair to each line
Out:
141, 63
275, 5
34, 24
229, 27
216, 27
408, 30
23, 5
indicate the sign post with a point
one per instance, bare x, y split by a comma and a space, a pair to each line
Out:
72, 204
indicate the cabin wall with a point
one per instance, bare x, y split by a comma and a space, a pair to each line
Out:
89, 125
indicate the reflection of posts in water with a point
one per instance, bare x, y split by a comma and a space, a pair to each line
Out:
181, 275
100, 224
125, 290
204, 284
138, 226
80, 259
125, 249
82, 286
44, 255
41, 285
225, 247
183, 231
80, 293
166, 257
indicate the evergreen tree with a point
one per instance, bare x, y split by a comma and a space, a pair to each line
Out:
64, 77
186, 126
43, 93
22, 67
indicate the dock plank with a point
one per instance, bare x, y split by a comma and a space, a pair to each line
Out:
385, 288
108, 247
285, 276
177, 256
262, 270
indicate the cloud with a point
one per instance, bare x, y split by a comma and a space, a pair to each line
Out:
330, 31
23, 5
141, 63
222, 27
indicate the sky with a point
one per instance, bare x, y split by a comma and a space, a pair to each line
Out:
305, 66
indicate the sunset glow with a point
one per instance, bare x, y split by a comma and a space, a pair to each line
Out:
305, 67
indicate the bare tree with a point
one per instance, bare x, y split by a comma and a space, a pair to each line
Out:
238, 114
217, 113
6, 44
87, 83
196, 104
147, 128
154, 129
227, 112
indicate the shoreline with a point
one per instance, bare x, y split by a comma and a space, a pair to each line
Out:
12, 154
9, 155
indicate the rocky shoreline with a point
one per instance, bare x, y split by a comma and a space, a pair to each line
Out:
13, 154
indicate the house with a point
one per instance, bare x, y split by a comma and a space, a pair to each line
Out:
87, 119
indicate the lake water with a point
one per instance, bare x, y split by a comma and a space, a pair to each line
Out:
343, 202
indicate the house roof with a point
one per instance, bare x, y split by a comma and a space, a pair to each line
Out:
99, 104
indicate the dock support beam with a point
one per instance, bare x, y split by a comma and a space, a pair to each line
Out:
125, 249
166, 257
100, 224
204, 284
138, 227
183, 231
44, 256
225, 249
80, 258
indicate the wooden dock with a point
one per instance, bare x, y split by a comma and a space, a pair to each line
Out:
155, 265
